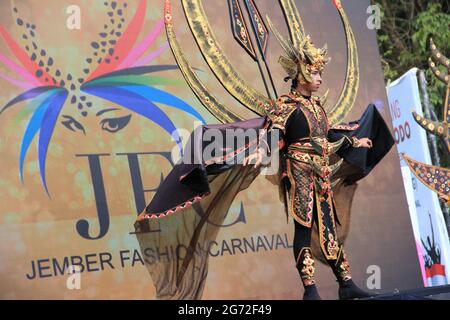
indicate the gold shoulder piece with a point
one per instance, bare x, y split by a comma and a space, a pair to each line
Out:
280, 115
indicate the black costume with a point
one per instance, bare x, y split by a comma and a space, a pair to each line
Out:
306, 145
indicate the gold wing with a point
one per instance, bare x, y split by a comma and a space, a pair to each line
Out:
438, 57
211, 103
438, 128
348, 94
218, 62
433, 127
435, 178
230, 78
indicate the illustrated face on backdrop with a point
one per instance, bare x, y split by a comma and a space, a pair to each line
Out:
116, 83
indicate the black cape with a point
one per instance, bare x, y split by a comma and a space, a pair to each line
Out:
186, 212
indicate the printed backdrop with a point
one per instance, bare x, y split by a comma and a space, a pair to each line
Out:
82, 152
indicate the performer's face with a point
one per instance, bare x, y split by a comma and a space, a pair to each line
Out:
314, 85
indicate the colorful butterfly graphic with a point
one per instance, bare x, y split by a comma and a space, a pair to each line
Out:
118, 72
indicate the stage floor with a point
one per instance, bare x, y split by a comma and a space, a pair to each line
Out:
431, 293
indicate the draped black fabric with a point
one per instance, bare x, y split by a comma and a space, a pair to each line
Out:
188, 178
200, 191
363, 160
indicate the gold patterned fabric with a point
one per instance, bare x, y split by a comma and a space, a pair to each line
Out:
305, 264
301, 193
279, 115
342, 267
314, 113
309, 172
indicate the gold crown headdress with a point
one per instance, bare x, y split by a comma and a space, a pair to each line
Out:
301, 60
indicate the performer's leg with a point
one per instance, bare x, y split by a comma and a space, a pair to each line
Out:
341, 269
305, 260
335, 254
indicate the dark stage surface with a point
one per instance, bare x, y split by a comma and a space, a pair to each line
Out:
431, 293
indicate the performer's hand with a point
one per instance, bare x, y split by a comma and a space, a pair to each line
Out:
365, 143
257, 155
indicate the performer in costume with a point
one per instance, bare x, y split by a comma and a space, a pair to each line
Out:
308, 146
194, 198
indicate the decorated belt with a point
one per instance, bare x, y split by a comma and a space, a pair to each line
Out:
305, 153
302, 147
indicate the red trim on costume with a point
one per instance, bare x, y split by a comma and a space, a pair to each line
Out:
175, 209
347, 127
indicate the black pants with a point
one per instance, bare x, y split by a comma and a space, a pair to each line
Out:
302, 234
302, 241
302, 237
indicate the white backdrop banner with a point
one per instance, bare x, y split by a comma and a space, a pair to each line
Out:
430, 233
